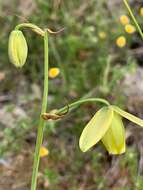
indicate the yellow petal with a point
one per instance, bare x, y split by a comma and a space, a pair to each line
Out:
54, 72
130, 29
128, 116
124, 19
114, 138
141, 11
121, 41
96, 128
43, 151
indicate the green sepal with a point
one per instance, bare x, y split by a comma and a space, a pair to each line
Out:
114, 138
17, 48
128, 116
96, 128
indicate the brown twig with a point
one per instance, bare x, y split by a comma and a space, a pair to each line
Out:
55, 32
53, 115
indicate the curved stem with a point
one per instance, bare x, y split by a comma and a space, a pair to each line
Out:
133, 18
79, 102
33, 27
41, 122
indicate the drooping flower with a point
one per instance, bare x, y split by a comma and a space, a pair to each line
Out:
107, 126
54, 72
130, 29
121, 41
124, 19
43, 151
17, 48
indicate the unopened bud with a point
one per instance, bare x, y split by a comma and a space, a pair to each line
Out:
17, 49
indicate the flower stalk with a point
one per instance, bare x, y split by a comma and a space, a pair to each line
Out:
79, 102
41, 122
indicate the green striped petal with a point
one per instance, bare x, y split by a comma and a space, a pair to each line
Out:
114, 138
128, 116
96, 128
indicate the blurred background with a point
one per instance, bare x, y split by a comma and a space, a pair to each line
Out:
99, 54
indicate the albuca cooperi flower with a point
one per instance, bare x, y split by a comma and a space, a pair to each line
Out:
17, 48
107, 126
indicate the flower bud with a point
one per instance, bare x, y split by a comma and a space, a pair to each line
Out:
17, 48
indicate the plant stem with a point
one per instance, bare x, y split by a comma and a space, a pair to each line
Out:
33, 27
41, 122
133, 18
79, 102
107, 71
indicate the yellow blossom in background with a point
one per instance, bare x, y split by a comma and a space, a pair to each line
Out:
121, 41
124, 19
102, 35
141, 11
43, 152
54, 72
130, 29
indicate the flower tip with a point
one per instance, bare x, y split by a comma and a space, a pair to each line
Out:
83, 150
118, 152
82, 146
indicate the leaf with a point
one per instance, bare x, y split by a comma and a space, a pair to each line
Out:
96, 128
114, 138
128, 116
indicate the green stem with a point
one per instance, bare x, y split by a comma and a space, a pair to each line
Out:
41, 122
33, 27
133, 18
79, 102
106, 71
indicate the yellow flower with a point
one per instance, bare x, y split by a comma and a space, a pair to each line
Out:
121, 41
43, 152
124, 19
141, 11
107, 126
54, 72
130, 29
102, 35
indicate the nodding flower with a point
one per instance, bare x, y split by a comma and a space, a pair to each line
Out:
17, 48
107, 126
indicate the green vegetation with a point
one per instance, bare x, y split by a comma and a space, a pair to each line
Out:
90, 57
